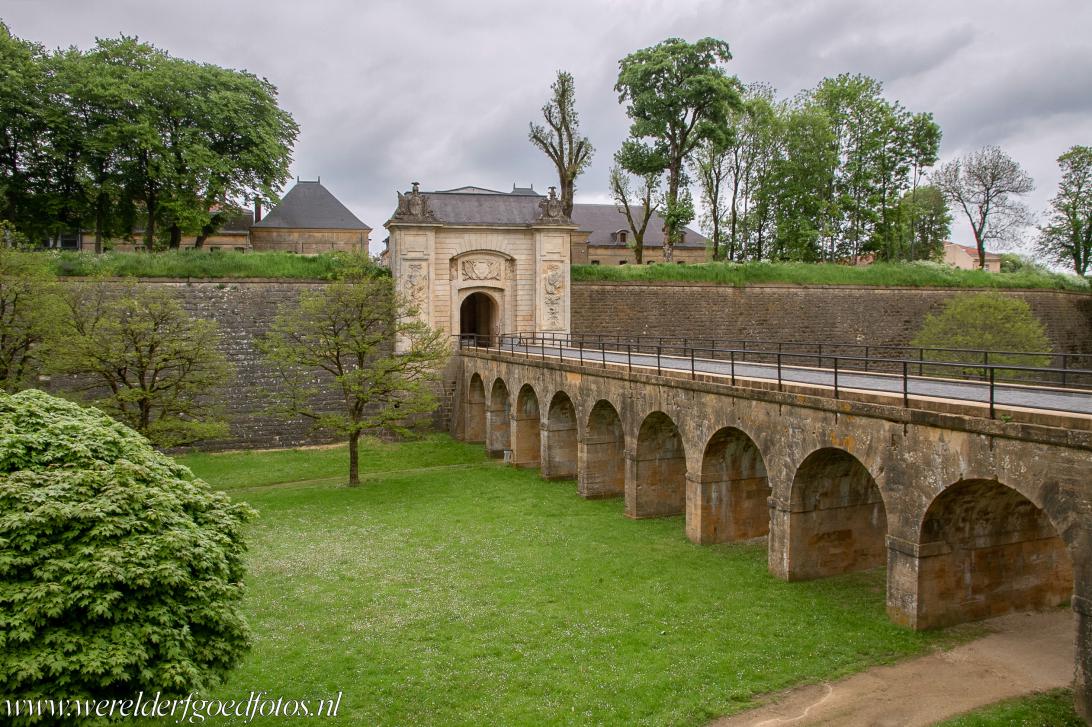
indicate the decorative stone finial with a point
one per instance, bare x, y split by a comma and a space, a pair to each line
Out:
551, 209
413, 207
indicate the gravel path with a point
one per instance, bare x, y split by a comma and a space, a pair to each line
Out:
1026, 652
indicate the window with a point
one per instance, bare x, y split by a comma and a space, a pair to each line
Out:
650, 262
622, 236
594, 262
621, 262
681, 262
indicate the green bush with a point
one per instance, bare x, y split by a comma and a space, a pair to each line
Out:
119, 571
987, 322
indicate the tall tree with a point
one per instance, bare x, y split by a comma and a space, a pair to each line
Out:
798, 181
712, 166
22, 81
638, 204
347, 331
1067, 236
987, 185
678, 95
925, 224
561, 142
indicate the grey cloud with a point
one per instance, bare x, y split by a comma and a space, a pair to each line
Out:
439, 92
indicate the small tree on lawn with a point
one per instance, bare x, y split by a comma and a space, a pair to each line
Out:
140, 357
29, 312
343, 336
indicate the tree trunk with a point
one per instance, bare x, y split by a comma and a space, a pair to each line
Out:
176, 237
354, 464
199, 241
567, 189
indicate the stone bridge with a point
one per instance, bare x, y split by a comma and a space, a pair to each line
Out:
972, 517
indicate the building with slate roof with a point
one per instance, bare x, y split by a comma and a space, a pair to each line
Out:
310, 220
478, 263
609, 240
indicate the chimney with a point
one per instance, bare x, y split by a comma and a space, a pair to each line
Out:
257, 210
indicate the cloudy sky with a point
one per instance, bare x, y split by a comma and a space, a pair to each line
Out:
441, 92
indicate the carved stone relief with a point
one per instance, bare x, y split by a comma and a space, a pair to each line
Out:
416, 285
554, 294
481, 269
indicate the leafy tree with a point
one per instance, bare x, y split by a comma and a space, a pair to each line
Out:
748, 155
29, 314
711, 164
643, 198
1067, 237
144, 360
925, 225
924, 147
984, 321
347, 334
22, 80
570, 152
119, 571
986, 185
678, 96
125, 129
797, 180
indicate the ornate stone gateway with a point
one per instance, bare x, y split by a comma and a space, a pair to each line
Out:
483, 263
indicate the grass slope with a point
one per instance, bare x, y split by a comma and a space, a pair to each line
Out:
450, 590
198, 264
1048, 709
917, 275
219, 265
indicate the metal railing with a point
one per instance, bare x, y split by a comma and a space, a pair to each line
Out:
823, 366
1065, 368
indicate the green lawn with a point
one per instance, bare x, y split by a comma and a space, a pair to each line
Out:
916, 275
449, 589
1048, 709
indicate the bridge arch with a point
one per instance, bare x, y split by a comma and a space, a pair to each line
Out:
727, 500
559, 450
498, 416
835, 521
657, 485
526, 428
475, 410
983, 550
602, 461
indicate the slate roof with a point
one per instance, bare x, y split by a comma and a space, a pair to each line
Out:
310, 206
484, 208
602, 220
520, 207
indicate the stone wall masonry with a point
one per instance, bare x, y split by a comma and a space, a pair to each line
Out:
244, 310
834, 314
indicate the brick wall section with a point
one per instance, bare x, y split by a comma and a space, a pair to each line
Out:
244, 310
835, 314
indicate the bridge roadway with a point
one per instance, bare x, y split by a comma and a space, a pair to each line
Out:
1005, 395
